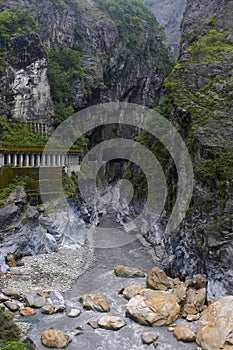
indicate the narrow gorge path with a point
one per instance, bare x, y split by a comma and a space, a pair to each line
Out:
100, 279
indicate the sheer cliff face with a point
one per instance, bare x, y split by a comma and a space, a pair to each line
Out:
169, 14
112, 60
201, 87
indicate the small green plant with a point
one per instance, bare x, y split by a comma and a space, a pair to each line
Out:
14, 345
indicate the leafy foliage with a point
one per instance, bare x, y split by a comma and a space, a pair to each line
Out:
130, 17
15, 21
9, 332
15, 133
65, 67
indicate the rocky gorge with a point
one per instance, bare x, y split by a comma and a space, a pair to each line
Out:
63, 56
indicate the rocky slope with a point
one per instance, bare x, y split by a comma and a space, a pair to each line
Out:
200, 88
81, 53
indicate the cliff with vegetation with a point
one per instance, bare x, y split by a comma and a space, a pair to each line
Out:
200, 89
61, 56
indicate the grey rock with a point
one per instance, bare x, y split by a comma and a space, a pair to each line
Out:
8, 214
74, 313
149, 338
12, 306
57, 301
11, 292
48, 309
34, 300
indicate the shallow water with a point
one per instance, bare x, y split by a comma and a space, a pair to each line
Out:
100, 278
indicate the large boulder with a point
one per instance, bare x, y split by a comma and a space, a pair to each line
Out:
158, 280
153, 308
95, 302
128, 272
215, 327
55, 339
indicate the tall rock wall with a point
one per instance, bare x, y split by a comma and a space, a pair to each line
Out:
201, 88
112, 58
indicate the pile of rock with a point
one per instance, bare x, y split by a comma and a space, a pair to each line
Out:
49, 302
161, 301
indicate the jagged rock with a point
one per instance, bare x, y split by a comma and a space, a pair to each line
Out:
194, 301
57, 301
132, 290
27, 311
158, 280
184, 333
10, 260
180, 291
55, 339
3, 298
199, 281
149, 338
93, 324
48, 309
11, 292
27, 241
111, 322
154, 308
8, 214
11, 305
192, 318
215, 327
128, 272
34, 299
74, 313
95, 302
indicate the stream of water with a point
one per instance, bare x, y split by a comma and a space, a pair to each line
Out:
100, 279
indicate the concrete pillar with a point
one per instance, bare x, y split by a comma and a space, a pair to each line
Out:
8, 159
42, 160
58, 159
38, 159
49, 160
15, 159
53, 159
27, 160
62, 159
1, 159
21, 160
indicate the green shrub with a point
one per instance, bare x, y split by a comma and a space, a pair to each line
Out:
15, 133
15, 21
13, 345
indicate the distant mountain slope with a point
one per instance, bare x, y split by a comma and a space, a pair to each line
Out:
169, 14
